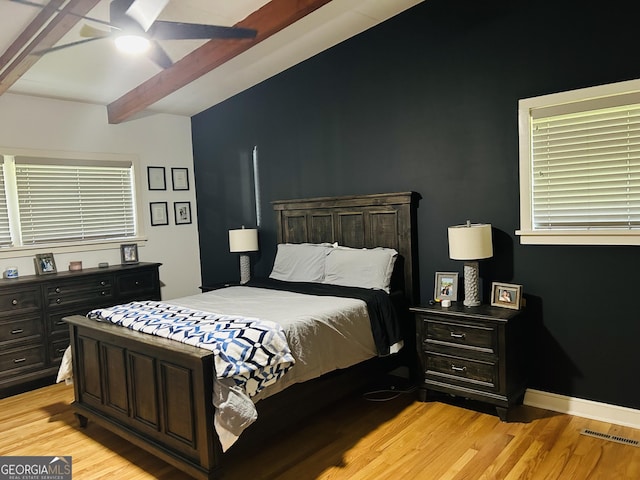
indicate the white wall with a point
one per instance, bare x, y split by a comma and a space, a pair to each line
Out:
157, 140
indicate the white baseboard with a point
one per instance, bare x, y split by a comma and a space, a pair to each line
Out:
604, 412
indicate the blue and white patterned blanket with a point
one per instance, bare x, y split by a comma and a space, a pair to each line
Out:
254, 353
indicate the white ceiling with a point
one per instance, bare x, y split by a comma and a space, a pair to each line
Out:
97, 73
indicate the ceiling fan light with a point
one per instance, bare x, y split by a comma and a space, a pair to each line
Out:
132, 43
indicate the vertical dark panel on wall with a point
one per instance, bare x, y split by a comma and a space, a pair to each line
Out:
427, 102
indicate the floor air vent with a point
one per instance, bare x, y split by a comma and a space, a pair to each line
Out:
611, 438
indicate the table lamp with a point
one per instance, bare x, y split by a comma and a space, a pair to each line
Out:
242, 241
470, 242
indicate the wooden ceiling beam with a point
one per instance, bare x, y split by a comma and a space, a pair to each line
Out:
23, 48
268, 20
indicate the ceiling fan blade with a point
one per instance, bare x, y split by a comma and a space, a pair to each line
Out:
41, 6
145, 12
66, 45
159, 56
162, 30
90, 31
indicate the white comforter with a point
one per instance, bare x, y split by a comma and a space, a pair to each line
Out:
324, 333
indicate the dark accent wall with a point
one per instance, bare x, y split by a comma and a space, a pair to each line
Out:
428, 101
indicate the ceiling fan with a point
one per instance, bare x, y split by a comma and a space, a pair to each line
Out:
137, 20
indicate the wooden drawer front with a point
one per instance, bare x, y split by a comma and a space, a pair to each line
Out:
464, 371
22, 330
17, 360
97, 296
482, 338
57, 349
137, 283
19, 300
64, 287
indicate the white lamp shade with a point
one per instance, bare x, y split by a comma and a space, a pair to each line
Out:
243, 240
470, 242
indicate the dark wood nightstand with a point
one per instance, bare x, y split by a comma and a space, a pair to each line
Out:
473, 352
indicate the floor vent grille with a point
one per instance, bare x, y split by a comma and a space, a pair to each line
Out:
611, 438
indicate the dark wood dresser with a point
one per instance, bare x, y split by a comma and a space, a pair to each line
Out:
473, 352
33, 336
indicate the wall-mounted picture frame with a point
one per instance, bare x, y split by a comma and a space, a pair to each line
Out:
182, 211
446, 286
45, 263
159, 213
156, 179
180, 178
129, 253
506, 295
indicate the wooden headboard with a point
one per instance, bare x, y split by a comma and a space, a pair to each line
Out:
359, 221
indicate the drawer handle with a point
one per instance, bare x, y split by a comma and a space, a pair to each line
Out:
458, 335
60, 322
60, 351
458, 369
103, 283
57, 289
16, 331
58, 300
103, 293
19, 360
14, 302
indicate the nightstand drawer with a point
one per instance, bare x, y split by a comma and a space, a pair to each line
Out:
479, 374
482, 338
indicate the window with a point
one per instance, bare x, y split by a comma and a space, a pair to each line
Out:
49, 201
580, 167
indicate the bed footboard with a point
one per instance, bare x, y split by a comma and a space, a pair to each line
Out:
154, 392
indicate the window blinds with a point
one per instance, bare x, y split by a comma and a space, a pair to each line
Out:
63, 200
586, 170
5, 233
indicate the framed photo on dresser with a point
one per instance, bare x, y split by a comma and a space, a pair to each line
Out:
446, 286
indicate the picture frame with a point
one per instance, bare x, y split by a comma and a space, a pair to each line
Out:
506, 295
446, 286
45, 263
156, 179
159, 213
180, 178
129, 253
182, 212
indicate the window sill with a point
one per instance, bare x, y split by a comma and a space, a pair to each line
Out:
568, 237
29, 251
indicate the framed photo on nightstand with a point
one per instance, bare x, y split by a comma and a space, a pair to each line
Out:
506, 295
446, 286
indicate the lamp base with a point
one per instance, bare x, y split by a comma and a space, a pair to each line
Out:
471, 284
245, 269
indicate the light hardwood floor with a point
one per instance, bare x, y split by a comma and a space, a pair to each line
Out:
360, 440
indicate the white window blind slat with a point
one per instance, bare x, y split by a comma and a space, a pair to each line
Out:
586, 170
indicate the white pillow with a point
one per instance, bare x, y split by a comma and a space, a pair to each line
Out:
365, 268
304, 262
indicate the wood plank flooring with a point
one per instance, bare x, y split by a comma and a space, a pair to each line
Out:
359, 440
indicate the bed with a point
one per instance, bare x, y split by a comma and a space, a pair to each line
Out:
157, 393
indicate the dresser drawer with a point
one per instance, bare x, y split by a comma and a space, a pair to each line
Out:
57, 349
85, 296
78, 285
482, 338
22, 330
15, 361
12, 301
137, 283
463, 371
